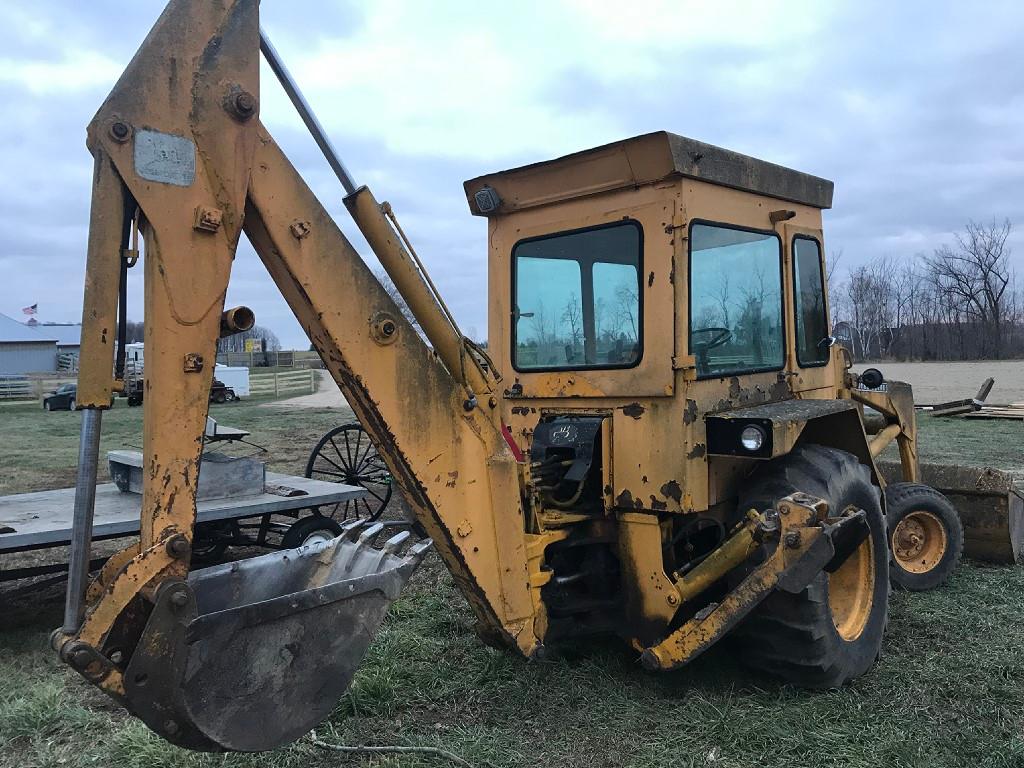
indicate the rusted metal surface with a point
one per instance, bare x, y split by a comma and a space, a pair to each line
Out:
641, 161
801, 537
452, 464
102, 275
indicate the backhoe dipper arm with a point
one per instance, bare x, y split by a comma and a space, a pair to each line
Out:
180, 136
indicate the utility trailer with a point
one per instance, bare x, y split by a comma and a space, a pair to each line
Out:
43, 519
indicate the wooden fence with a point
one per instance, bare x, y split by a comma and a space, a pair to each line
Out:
30, 386
15, 388
290, 384
280, 359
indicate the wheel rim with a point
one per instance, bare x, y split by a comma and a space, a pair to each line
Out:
346, 455
851, 591
919, 541
316, 536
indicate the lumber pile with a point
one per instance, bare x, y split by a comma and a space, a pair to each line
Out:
1013, 411
966, 406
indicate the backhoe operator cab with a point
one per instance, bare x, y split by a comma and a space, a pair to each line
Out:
658, 307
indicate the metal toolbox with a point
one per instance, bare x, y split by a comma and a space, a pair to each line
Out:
220, 476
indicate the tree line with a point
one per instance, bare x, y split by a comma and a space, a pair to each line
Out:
959, 303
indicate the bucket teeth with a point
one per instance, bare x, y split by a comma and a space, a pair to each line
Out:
418, 550
351, 528
394, 544
366, 537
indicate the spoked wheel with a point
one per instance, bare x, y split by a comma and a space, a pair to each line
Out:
346, 455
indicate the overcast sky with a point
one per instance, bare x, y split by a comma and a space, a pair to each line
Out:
915, 110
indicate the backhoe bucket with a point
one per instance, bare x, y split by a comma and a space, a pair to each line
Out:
250, 655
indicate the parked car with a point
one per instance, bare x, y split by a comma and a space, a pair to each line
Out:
62, 399
221, 392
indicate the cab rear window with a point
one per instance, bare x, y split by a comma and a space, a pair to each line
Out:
577, 299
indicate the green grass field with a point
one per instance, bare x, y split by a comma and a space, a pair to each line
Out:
948, 691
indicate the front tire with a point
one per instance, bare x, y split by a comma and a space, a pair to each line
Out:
926, 537
831, 631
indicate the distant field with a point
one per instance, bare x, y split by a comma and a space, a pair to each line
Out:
948, 690
942, 382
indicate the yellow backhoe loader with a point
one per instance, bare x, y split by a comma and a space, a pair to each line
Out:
660, 441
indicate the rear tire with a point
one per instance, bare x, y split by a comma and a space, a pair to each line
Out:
72, 404
831, 631
926, 537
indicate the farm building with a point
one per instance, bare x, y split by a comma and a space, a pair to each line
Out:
69, 342
68, 335
24, 349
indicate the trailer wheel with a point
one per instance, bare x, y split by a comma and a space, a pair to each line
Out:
926, 537
831, 631
212, 539
306, 530
347, 455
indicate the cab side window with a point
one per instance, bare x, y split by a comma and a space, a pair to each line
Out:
812, 343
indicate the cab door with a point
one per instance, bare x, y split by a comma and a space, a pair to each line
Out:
736, 335
807, 310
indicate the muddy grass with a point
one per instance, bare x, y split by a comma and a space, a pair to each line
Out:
948, 690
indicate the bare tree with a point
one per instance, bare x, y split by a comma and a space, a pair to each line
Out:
722, 298
572, 316
627, 301
832, 265
236, 342
975, 276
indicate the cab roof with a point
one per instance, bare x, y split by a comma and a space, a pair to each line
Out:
641, 160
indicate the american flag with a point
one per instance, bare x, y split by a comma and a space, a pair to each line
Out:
30, 310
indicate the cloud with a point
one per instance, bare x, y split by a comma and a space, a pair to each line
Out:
916, 111
76, 70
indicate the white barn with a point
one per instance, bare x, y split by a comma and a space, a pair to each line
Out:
24, 349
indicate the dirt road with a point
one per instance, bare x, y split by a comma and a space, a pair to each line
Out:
327, 396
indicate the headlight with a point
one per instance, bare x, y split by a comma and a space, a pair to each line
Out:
752, 438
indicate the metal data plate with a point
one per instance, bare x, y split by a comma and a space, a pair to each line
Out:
165, 158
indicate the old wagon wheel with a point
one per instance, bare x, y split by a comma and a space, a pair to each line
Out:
347, 455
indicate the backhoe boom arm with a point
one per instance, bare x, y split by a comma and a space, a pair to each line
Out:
180, 139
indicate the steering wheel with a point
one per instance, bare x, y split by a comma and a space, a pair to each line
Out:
720, 337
